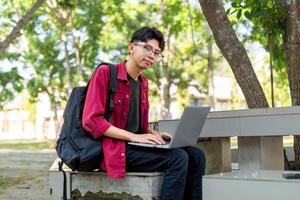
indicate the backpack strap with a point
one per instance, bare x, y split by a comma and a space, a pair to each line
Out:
113, 85
60, 165
112, 91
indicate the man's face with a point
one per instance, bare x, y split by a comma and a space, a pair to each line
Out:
145, 54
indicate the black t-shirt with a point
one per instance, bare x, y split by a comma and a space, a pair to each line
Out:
133, 122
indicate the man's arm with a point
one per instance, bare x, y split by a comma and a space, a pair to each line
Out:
95, 103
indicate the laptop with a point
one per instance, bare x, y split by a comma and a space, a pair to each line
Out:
185, 132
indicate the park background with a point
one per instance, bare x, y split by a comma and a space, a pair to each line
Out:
249, 59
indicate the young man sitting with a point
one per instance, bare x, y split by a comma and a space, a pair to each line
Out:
183, 167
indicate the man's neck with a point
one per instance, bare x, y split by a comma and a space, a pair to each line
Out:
132, 69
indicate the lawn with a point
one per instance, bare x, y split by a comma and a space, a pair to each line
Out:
26, 144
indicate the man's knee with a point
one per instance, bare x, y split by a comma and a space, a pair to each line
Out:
180, 158
196, 156
201, 156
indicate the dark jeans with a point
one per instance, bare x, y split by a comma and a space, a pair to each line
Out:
183, 169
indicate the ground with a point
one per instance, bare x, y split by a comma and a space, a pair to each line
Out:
24, 174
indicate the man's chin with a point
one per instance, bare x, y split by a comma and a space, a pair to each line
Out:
145, 66
146, 62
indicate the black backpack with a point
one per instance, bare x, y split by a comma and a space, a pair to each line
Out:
75, 145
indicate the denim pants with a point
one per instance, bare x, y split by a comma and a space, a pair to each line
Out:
183, 169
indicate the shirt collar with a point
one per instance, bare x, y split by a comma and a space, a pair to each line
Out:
122, 74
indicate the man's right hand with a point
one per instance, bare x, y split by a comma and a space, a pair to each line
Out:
147, 138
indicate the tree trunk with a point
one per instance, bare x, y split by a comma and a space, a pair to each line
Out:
67, 65
63, 19
291, 41
210, 71
54, 108
164, 90
164, 72
234, 52
16, 32
55, 118
77, 47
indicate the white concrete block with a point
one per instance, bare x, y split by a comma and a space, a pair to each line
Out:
250, 185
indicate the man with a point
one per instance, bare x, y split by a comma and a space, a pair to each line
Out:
183, 167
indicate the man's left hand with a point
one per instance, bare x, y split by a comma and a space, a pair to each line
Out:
164, 135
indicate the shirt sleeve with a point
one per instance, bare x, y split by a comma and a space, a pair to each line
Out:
94, 107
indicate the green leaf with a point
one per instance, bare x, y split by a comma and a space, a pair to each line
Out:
248, 15
239, 14
228, 11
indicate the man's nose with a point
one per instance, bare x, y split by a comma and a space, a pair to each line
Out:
151, 54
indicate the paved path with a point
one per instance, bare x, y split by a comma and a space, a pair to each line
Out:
31, 169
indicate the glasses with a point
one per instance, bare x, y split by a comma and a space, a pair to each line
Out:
148, 49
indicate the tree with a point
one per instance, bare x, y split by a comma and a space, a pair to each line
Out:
11, 80
56, 65
292, 51
234, 52
275, 21
279, 23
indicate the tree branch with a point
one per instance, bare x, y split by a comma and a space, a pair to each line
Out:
16, 32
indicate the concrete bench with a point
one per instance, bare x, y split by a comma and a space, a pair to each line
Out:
260, 146
260, 149
96, 185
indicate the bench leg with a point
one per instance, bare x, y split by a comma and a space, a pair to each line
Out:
56, 184
261, 153
218, 154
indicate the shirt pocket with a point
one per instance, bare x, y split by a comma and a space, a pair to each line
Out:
118, 110
144, 100
118, 103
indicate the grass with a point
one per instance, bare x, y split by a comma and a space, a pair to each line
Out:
6, 182
26, 145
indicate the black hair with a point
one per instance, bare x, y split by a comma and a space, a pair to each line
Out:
146, 33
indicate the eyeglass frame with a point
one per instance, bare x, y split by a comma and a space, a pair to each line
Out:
158, 56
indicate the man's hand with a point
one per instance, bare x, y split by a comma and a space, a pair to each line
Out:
148, 138
164, 135
152, 137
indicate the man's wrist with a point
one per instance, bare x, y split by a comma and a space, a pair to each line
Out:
131, 137
128, 135
151, 131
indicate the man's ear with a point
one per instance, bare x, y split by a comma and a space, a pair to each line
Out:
130, 48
